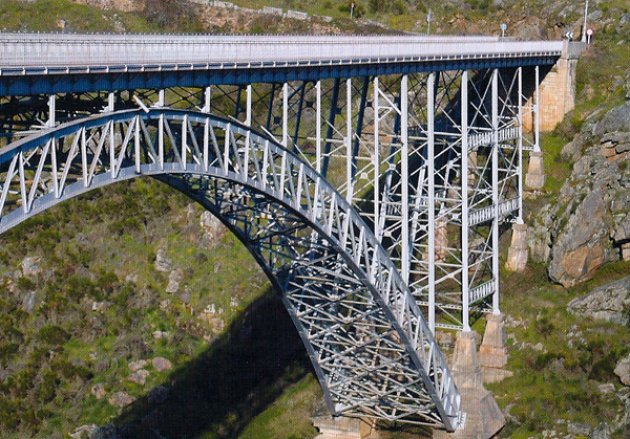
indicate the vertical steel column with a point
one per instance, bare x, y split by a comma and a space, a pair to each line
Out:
285, 115
464, 195
537, 109
376, 158
519, 145
404, 177
349, 179
495, 189
207, 99
248, 110
111, 102
52, 111
161, 104
431, 194
318, 126
136, 141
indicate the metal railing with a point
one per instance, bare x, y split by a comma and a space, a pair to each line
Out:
170, 51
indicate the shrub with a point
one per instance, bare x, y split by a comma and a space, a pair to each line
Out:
544, 326
53, 335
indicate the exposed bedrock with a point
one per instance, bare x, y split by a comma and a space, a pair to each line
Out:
589, 222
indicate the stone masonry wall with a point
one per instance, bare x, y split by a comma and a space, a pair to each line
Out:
557, 95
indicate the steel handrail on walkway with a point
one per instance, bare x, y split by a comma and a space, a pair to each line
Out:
22, 54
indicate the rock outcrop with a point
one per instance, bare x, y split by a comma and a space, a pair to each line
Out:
609, 302
589, 224
623, 370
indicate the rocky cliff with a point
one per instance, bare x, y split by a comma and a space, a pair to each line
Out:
588, 224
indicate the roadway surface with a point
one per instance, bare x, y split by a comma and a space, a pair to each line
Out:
159, 61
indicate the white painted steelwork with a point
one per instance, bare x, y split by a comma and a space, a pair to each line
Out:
370, 346
430, 160
52, 53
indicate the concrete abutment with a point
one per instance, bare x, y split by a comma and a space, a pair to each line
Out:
518, 251
535, 177
483, 417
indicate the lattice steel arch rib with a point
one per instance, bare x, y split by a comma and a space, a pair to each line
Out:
372, 350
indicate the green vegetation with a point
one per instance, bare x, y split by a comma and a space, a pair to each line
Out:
557, 358
98, 301
557, 168
48, 16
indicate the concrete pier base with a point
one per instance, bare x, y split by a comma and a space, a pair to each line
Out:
484, 419
344, 428
493, 352
517, 253
535, 177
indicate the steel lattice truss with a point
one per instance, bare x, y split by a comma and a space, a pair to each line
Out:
373, 202
370, 346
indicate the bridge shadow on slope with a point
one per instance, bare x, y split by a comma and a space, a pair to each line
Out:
235, 379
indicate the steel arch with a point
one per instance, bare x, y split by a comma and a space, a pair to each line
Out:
369, 344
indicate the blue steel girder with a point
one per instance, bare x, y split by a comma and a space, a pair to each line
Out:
370, 346
39, 83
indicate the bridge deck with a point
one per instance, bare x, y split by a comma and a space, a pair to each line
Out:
38, 63
23, 54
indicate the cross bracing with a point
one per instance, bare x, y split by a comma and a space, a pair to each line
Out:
369, 188
369, 343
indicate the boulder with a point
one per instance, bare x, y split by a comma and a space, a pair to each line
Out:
578, 429
159, 335
602, 431
84, 432
161, 364
606, 388
98, 390
162, 261
617, 119
623, 370
121, 399
137, 365
28, 302
139, 377
609, 302
108, 431
174, 279
30, 266
580, 249
212, 229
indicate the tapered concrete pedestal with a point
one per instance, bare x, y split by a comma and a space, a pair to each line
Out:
493, 352
535, 177
344, 428
517, 253
484, 419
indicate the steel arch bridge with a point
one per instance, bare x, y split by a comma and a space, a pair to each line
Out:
370, 346
368, 176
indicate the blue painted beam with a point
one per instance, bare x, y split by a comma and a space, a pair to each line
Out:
25, 85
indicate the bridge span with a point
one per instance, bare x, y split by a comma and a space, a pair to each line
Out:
109, 62
369, 176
